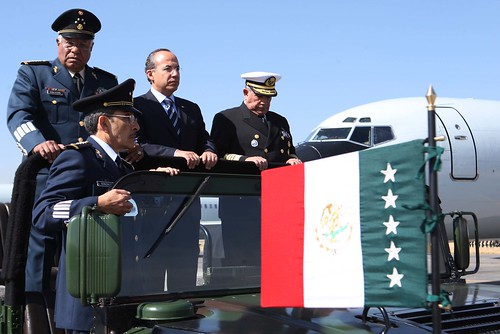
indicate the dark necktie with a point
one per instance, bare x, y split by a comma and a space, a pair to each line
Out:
168, 105
119, 162
77, 79
264, 120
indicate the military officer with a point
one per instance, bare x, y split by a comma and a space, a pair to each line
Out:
81, 177
251, 132
41, 119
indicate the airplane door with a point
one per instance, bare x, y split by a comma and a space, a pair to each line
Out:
463, 152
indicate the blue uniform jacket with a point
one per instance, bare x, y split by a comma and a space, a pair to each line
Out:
76, 179
39, 106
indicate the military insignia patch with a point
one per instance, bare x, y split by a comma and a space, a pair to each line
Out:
79, 145
270, 81
285, 134
100, 90
55, 91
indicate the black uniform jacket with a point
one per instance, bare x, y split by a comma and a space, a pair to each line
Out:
238, 133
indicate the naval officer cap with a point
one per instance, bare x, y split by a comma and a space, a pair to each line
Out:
77, 23
262, 83
117, 98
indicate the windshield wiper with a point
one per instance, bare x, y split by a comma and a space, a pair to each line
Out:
180, 212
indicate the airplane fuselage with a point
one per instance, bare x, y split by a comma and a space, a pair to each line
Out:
469, 179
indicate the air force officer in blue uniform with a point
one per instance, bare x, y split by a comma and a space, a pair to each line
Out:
82, 176
41, 119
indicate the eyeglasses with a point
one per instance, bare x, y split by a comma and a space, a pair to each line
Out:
82, 46
130, 118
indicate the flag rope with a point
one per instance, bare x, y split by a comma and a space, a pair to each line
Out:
443, 299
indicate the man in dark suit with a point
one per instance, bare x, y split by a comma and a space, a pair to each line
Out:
81, 175
174, 127
171, 126
250, 132
41, 119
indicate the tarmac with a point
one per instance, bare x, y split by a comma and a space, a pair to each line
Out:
489, 269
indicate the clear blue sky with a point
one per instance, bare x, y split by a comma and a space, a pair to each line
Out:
332, 54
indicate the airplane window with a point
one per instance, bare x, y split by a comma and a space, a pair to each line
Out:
361, 134
382, 134
331, 134
350, 120
365, 120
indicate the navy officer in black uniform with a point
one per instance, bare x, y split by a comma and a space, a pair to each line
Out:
81, 176
41, 119
251, 132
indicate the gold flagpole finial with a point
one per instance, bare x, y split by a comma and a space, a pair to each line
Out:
431, 98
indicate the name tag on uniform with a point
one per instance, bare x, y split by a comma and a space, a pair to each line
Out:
55, 91
104, 184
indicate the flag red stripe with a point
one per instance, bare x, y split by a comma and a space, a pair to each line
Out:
283, 236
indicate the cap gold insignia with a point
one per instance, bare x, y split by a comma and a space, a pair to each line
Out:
79, 26
270, 82
56, 69
80, 12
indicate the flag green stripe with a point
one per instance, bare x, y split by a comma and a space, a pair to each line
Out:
407, 158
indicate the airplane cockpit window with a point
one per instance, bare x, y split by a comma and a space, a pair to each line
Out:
349, 120
382, 134
361, 134
331, 134
365, 120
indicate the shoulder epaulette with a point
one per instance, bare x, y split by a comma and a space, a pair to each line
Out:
79, 145
97, 69
36, 62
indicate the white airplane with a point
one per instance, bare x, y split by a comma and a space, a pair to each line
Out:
5, 192
469, 179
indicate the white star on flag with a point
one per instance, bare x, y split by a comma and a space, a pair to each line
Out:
391, 226
389, 173
395, 278
393, 252
390, 199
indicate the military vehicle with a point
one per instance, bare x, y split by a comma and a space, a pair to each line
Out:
125, 268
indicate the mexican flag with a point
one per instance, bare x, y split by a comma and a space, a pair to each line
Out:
346, 231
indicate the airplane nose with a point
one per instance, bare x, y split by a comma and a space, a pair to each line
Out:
307, 152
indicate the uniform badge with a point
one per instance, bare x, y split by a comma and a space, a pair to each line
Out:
254, 143
285, 134
55, 91
104, 184
98, 153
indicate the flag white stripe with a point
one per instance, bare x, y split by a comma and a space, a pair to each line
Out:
334, 261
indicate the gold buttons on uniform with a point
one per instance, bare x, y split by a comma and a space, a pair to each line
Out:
282, 151
82, 123
265, 150
80, 139
256, 136
54, 102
